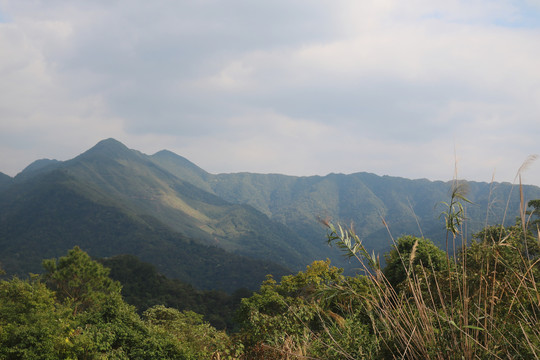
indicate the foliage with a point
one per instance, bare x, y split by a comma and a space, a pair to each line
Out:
81, 315
413, 254
289, 320
143, 286
454, 215
115, 330
534, 213
79, 281
32, 324
484, 306
198, 339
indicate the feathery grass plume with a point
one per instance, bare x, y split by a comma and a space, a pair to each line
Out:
522, 204
522, 211
526, 164
337, 318
413, 254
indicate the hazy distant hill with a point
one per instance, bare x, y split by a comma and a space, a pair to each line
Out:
5, 181
166, 210
38, 167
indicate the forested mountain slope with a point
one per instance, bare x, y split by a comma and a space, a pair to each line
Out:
364, 199
48, 214
141, 187
112, 200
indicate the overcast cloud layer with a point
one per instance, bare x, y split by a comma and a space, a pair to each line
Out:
294, 87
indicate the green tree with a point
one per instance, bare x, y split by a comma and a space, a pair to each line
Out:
115, 331
307, 314
103, 325
411, 254
535, 213
79, 281
196, 338
32, 324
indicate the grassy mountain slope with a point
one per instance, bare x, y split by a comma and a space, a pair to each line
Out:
144, 187
407, 206
46, 216
182, 168
272, 217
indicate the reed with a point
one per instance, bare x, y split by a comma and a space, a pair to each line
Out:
484, 305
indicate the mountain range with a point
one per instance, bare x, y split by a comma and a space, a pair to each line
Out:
221, 231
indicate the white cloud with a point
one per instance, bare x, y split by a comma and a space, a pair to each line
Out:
295, 87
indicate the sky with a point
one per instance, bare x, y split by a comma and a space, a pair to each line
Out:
413, 88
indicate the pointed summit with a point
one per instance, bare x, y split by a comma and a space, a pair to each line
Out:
109, 145
109, 148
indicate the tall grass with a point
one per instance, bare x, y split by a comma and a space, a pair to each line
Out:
484, 305
478, 300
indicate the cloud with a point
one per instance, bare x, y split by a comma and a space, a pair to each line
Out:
304, 87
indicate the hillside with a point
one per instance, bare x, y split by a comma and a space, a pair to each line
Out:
113, 200
141, 187
143, 286
5, 181
364, 199
50, 214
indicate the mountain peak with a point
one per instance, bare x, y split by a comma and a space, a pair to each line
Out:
110, 148
38, 167
110, 144
38, 164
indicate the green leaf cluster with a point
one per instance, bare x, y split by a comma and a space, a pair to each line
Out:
75, 311
291, 319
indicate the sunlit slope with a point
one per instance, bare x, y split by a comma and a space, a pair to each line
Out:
363, 199
48, 215
141, 186
271, 216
